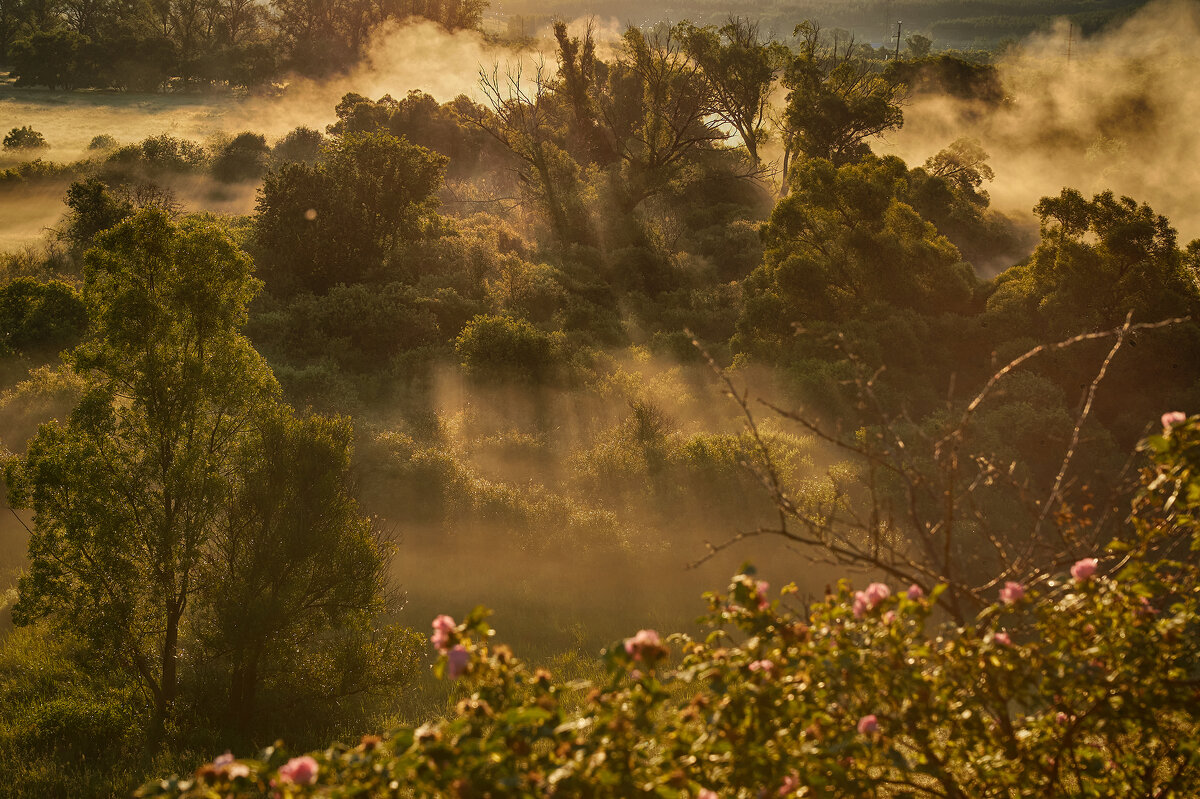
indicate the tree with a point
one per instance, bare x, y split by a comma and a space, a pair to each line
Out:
332, 222
739, 69
93, 207
964, 163
835, 100
1098, 260
918, 45
580, 76
24, 138
243, 158
845, 244
127, 493
51, 58
294, 568
659, 110
41, 316
525, 117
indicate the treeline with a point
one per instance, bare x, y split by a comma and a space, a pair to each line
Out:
152, 44
950, 23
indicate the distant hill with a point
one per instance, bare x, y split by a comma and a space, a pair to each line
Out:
950, 23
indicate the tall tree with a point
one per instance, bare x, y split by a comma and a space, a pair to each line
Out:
127, 494
658, 108
740, 68
836, 101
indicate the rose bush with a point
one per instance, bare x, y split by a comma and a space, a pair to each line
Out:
1080, 684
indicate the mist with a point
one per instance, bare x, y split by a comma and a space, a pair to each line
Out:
1119, 115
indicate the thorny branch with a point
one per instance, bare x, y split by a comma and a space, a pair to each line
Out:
940, 500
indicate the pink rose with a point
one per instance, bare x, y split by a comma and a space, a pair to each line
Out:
442, 627
1084, 569
761, 590
1011, 592
915, 592
876, 593
643, 642
1062, 718
868, 725
299, 770
1171, 419
456, 661
763, 665
1002, 638
791, 783
889, 617
870, 598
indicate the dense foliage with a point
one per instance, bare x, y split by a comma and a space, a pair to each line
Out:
473, 352
1076, 685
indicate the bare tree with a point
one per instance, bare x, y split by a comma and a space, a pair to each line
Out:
926, 509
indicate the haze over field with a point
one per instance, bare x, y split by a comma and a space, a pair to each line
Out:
1116, 116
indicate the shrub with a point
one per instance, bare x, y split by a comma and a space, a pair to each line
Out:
37, 315
24, 138
1081, 683
301, 144
103, 142
501, 347
243, 158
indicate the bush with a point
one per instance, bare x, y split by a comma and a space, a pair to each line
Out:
46, 316
1079, 684
243, 158
301, 144
24, 138
103, 142
503, 348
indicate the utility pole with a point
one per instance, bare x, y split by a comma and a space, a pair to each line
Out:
1070, 39
899, 24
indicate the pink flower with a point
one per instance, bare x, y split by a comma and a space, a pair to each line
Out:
442, 627
456, 661
763, 665
868, 725
299, 770
644, 642
223, 760
870, 598
791, 783
1002, 638
915, 592
1011, 592
1084, 569
876, 593
705, 793
1171, 419
1062, 718
761, 590
889, 617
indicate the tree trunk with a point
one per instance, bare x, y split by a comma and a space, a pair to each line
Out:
243, 688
